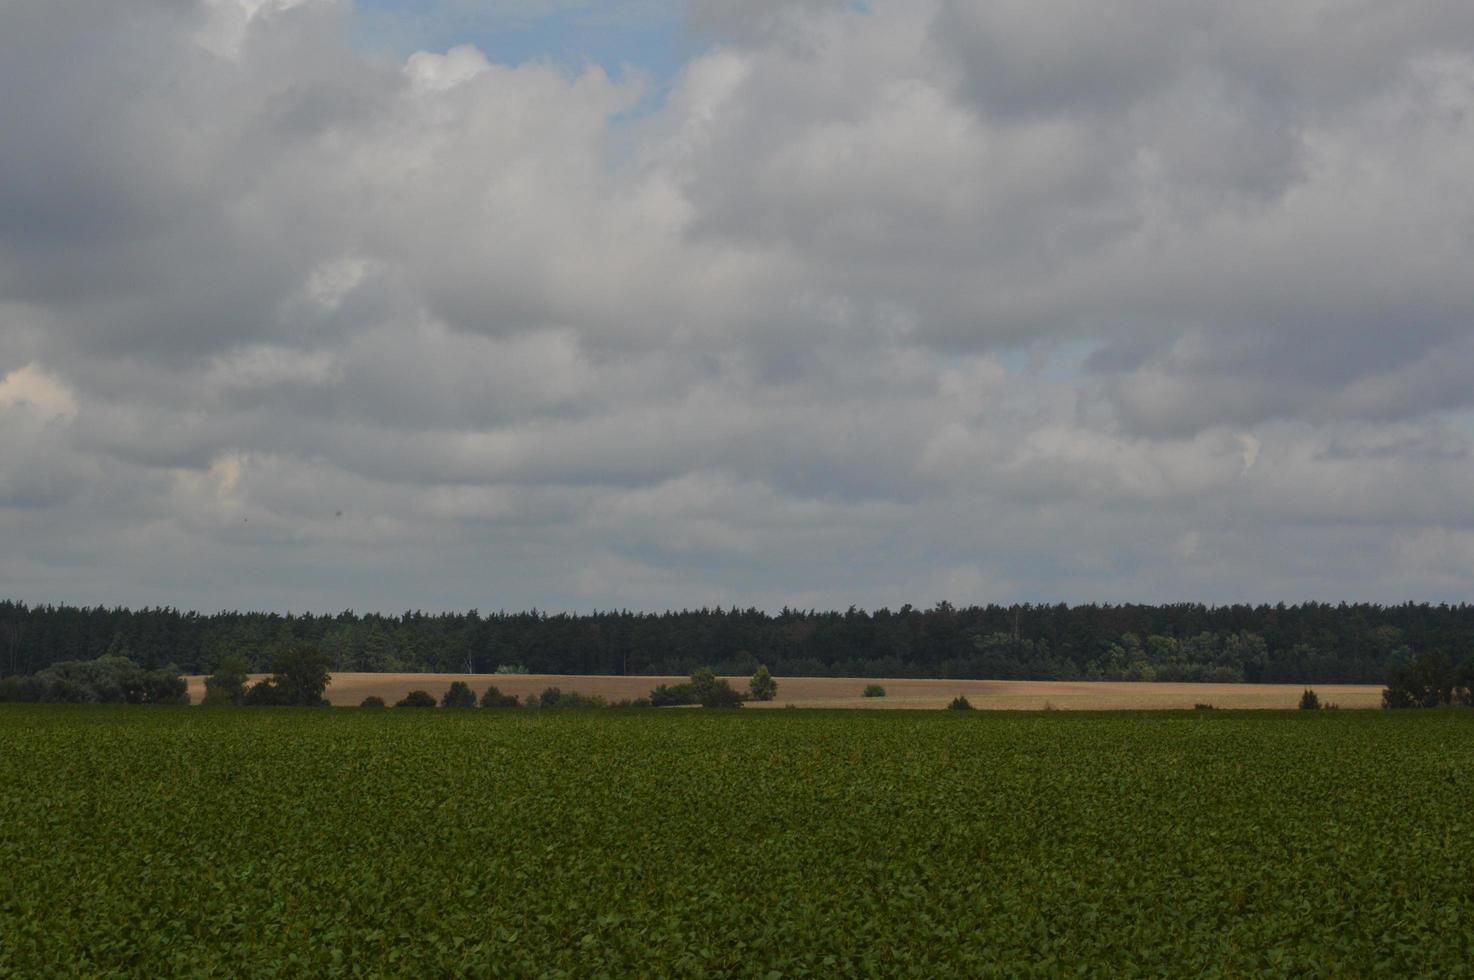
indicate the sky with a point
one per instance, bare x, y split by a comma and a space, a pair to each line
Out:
443, 304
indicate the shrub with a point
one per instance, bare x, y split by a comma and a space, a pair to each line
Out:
874, 691
165, 686
105, 680
416, 699
762, 687
1427, 682
1309, 701
666, 697
263, 693
960, 703
300, 674
554, 698
458, 695
713, 691
228, 684
64, 690
721, 695
372, 701
1200, 706
494, 698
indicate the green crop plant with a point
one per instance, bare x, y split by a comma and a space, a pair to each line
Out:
168, 841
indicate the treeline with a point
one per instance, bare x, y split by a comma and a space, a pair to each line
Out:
1309, 643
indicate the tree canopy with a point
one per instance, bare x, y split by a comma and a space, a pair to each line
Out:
1313, 643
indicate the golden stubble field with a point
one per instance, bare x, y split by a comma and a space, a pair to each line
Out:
845, 692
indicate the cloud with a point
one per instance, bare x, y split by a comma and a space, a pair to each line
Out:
867, 304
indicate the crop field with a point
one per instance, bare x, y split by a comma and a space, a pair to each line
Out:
157, 841
348, 689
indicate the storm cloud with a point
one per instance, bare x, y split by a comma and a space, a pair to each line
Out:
904, 301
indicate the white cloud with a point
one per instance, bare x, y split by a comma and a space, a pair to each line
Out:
31, 388
287, 322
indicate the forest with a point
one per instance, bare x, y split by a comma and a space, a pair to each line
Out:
1305, 643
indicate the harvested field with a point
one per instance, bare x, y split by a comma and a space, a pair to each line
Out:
845, 692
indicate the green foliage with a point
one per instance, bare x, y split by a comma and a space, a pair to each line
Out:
372, 701
557, 699
1429, 681
874, 691
1314, 643
264, 694
228, 684
762, 687
583, 844
669, 696
1309, 701
300, 675
458, 695
712, 691
494, 698
416, 699
105, 680
960, 703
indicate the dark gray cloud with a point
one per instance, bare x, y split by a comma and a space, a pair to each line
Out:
876, 303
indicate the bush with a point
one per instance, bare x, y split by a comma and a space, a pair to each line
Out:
372, 701
106, 680
571, 700
264, 693
1427, 682
301, 676
874, 691
31, 689
165, 686
960, 703
228, 684
762, 687
668, 697
64, 690
416, 699
1200, 706
721, 695
458, 695
1309, 701
713, 691
494, 698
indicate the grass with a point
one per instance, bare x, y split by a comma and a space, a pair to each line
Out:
267, 842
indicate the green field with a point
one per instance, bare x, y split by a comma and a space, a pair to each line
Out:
158, 841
